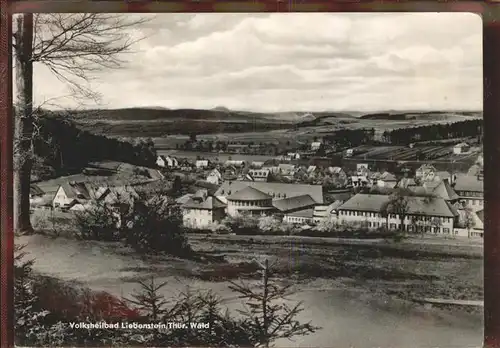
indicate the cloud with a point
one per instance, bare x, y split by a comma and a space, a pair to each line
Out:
297, 61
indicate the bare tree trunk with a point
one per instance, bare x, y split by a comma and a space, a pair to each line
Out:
23, 122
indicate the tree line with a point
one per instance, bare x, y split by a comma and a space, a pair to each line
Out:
65, 148
462, 129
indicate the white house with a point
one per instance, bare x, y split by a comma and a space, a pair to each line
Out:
291, 156
461, 148
235, 163
425, 172
470, 189
167, 161
72, 195
315, 145
200, 212
259, 174
423, 215
202, 164
215, 177
386, 179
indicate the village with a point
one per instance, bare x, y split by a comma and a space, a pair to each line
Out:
317, 197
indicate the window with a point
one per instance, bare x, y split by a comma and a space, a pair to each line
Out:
447, 230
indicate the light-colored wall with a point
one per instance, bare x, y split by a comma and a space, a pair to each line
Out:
60, 199
234, 208
375, 220
474, 203
296, 219
214, 179
199, 218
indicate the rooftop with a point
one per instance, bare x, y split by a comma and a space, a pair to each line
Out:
35, 190
468, 183
209, 203
306, 213
279, 190
249, 194
444, 190
416, 205
294, 203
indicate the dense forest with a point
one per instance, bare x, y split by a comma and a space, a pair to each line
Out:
403, 136
61, 148
462, 129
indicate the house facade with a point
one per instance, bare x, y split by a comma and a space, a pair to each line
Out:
425, 172
215, 177
259, 174
461, 148
299, 217
423, 216
202, 164
470, 190
249, 201
315, 145
201, 212
167, 162
72, 195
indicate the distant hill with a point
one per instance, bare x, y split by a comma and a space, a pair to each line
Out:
221, 108
428, 115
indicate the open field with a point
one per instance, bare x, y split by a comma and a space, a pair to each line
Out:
148, 122
404, 153
344, 287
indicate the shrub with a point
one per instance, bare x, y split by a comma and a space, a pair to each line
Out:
156, 225
99, 222
242, 224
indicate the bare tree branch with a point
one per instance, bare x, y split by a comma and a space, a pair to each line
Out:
76, 46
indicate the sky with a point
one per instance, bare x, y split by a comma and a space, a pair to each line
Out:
293, 62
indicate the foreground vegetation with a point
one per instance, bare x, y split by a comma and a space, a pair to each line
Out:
45, 307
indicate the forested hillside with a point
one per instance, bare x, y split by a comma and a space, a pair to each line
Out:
61, 148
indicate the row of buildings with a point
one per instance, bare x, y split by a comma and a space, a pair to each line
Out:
440, 206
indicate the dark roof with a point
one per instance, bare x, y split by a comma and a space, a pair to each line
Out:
480, 215
249, 194
307, 213
340, 195
209, 203
293, 203
35, 190
275, 190
445, 191
365, 202
184, 199
74, 190
468, 183
416, 205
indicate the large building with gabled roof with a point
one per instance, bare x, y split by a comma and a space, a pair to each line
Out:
201, 211
423, 214
277, 191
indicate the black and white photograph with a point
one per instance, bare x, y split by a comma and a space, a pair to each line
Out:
248, 179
